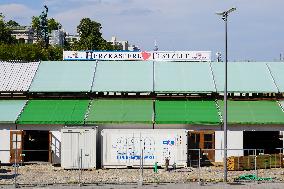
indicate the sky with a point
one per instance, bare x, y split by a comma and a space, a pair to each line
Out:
255, 29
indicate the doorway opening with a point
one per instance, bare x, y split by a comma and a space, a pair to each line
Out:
269, 141
36, 146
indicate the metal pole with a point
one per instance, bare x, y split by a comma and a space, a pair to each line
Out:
225, 18
15, 165
225, 102
199, 167
255, 164
81, 165
140, 182
142, 164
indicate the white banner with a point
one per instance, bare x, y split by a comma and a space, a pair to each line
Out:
194, 56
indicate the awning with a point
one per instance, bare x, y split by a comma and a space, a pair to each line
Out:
183, 77
64, 76
244, 77
124, 76
254, 112
120, 111
61, 112
10, 110
186, 112
277, 71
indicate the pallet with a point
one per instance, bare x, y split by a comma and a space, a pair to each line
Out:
266, 161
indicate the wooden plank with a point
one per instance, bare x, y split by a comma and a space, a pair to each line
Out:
248, 162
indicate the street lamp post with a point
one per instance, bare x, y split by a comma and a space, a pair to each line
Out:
225, 18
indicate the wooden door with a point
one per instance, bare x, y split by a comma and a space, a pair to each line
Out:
16, 142
204, 140
208, 145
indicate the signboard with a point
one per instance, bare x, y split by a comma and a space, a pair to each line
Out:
194, 56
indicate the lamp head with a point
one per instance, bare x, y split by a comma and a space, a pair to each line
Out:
225, 13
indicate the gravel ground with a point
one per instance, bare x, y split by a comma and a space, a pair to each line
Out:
45, 174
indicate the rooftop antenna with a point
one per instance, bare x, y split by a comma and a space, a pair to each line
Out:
156, 48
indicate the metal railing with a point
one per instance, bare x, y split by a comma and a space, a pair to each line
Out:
201, 168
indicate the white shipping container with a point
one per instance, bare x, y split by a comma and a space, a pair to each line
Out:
123, 147
78, 148
5, 146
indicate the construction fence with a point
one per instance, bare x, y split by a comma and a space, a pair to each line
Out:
203, 165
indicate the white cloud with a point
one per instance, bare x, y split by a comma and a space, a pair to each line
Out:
19, 12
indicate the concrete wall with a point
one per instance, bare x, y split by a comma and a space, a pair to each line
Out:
235, 141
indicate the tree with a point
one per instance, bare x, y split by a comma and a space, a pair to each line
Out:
29, 52
5, 32
12, 23
36, 26
53, 25
90, 36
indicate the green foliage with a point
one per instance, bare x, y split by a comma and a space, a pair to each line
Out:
35, 26
12, 23
5, 32
90, 37
11, 49
53, 25
29, 52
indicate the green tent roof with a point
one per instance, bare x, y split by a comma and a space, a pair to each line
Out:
120, 111
10, 110
63, 112
123, 76
186, 112
64, 76
183, 77
254, 112
277, 71
250, 77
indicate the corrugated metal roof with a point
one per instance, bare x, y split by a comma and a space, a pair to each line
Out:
10, 110
277, 71
120, 111
63, 112
16, 77
250, 77
253, 112
64, 76
186, 112
124, 76
183, 77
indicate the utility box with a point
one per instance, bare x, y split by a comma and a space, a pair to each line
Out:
137, 147
78, 148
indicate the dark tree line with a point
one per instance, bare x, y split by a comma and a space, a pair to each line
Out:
12, 49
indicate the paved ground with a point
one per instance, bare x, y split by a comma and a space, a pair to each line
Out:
162, 186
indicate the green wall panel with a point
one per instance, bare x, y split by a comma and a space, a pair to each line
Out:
65, 112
